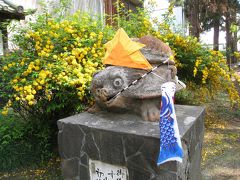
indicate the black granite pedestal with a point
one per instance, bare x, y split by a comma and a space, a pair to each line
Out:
125, 140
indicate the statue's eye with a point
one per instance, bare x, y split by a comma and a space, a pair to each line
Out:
118, 82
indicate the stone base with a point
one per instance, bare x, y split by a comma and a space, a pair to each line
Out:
125, 140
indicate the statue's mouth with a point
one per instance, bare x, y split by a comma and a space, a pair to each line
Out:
106, 96
111, 98
107, 99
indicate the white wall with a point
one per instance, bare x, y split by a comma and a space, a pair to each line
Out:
91, 6
1, 43
207, 38
161, 8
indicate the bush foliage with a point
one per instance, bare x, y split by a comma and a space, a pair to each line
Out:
22, 143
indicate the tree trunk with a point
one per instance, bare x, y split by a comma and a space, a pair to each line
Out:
192, 13
228, 38
216, 35
234, 37
194, 29
4, 36
231, 40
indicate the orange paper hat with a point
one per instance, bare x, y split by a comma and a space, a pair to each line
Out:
122, 51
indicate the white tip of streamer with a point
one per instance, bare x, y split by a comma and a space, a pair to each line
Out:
182, 84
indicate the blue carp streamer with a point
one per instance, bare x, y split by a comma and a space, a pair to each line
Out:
170, 142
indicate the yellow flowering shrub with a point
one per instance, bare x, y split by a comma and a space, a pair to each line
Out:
204, 71
217, 76
207, 69
54, 66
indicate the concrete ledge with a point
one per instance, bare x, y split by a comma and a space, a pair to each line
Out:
126, 140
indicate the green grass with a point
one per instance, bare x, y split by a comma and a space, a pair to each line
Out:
48, 170
220, 155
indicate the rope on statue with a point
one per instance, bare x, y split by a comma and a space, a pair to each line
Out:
135, 81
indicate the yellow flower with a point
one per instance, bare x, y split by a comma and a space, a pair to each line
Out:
30, 103
5, 112
35, 83
5, 68
42, 74
54, 56
10, 65
23, 80
22, 63
42, 82
15, 81
194, 71
205, 75
29, 97
36, 68
171, 57
37, 61
39, 87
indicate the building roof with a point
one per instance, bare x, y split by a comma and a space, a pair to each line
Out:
11, 10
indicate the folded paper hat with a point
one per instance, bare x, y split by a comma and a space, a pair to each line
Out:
122, 51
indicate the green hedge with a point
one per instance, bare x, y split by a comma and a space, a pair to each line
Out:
22, 143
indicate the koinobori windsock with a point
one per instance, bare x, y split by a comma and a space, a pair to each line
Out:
170, 142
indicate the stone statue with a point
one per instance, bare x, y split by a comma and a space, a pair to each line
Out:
144, 97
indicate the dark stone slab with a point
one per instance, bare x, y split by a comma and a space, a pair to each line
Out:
84, 173
71, 139
194, 167
126, 140
166, 175
70, 168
